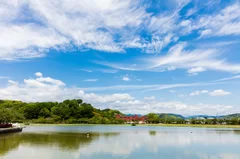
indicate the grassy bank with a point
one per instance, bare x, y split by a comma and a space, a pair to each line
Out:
164, 125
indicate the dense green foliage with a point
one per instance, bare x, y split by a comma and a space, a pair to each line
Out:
68, 111
178, 119
164, 118
237, 115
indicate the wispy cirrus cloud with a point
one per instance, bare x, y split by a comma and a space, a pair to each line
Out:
217, 92
90, 80
4, 77
107, 26
195, 60
227, 22
228, 78
147, 88
36, 26
179, 57
115, 26
25, 42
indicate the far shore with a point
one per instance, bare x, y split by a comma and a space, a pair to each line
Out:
163, 125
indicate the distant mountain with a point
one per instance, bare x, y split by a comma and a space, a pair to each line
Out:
133, 114
237, 115
161, 115
201, 116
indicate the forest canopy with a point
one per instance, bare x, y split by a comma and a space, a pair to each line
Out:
68, 111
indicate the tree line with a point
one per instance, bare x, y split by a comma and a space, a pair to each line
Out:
68, 111
76, 111
172, 119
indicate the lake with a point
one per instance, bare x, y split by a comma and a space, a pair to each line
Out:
120, 142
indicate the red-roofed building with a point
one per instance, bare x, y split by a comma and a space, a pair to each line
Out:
132, 119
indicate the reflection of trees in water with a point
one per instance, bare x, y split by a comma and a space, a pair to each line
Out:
236, 132
153, 133
227, 131
66, 140
7, 143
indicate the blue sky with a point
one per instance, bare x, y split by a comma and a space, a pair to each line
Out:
177, 56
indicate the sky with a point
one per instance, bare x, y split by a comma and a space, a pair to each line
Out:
176, 56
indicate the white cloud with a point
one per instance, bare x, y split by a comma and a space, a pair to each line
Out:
206, 32
105, 25
4, 77
191, 11
126, 78
85, 70
227, 22
144, 107
171, 68
155, 45
195, 60
129, 67
198, 93
48, 80
97, 99
145, 88
90, 80
87, 20
108, 70
229, 78
11, 82
49, 89
38, 74
204, 91
217, 44
172, 91
182, 95
219, 92
150, 98
196, 70
36, 26
26, 42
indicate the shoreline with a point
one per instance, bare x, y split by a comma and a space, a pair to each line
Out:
160, 125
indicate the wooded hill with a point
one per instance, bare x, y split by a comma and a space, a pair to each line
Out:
68, 111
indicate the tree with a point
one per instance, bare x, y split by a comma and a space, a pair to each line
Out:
44, 112
5, 115
153, 118
86, 110
235, 121
31, 111
79, 101
63, 111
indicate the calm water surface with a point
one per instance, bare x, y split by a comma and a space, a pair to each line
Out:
120, 142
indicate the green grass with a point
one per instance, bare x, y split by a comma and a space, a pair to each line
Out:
164, 125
